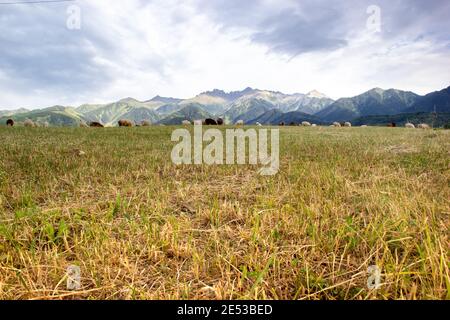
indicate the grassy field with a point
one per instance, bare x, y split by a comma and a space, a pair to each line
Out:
111, 201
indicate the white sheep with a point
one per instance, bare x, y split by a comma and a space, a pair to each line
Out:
29, 123
259, 124
314, 125
364, 126
146, 123
423, 126
186, 123
410, 126
336, 124
348, 124
198, 122
306, 124
240, 123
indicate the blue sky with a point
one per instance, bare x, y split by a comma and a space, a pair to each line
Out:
181, 48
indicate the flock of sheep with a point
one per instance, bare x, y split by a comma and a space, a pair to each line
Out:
208, 122
28, 123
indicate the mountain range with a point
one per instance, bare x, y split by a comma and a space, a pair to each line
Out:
376, 106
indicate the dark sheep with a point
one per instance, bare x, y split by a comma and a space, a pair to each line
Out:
210, 122
282, 124
10, 123
392, 125
96, 125
220, 122
125, 123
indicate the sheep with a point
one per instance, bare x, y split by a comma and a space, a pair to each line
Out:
45, 124
210, 122
314, 125
364, 126
186, 123
96, 125
10, 123
281, 124
220, 122
198, 122
146, 123
83, 125
258, 124
240, 123
410, 126
392, 125
306, 124
125, 123
29, 123
423, 126
347, 124
336, 124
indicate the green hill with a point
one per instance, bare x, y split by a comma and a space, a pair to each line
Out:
191, 112
54, 116
438, 101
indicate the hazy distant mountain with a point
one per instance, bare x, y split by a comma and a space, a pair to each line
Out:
316, 94
6, 113
310, 103
374, 102
257, 102
191, 112
438, 101
165, 100
229, 96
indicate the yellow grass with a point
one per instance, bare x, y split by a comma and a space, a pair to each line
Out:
142, 228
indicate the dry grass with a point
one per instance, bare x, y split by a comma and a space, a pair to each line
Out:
111, 201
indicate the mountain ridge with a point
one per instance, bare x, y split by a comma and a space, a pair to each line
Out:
249, 105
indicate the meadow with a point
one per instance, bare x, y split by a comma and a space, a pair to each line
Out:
111, 202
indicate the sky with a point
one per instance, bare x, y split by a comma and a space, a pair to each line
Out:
98, 51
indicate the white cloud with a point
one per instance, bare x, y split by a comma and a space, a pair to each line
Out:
177, 48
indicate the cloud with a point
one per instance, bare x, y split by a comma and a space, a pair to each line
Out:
179, 48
